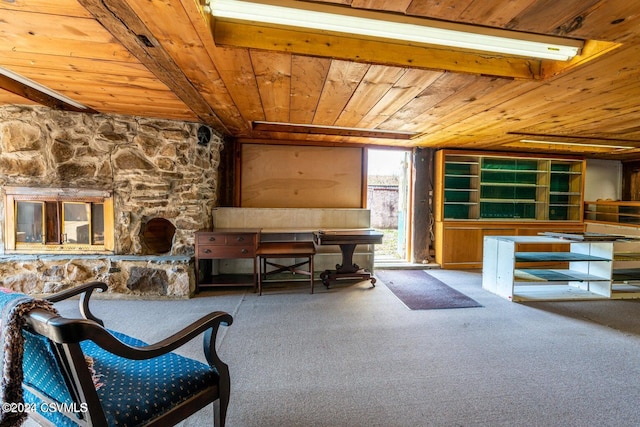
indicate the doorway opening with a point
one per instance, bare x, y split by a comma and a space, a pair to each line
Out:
389, 200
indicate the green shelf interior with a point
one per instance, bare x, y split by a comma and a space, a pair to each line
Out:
486, 187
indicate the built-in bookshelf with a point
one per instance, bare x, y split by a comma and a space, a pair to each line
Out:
461, 183
490, 193
499, 187
613, 212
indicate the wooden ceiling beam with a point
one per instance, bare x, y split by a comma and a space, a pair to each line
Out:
330, 130
395, 53
123, 23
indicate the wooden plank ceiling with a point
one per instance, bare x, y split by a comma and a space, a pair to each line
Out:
158, 58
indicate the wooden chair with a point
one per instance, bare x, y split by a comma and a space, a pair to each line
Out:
82, 374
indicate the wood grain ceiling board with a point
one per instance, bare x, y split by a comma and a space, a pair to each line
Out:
181, 27
128, 86
54, 53
408, 87
495, 13
551, 17
342, 80
377, 81
476, 97
447, 10
59, 7
8, 98
442, 88
236, 70
63, 46
75, 64
131, 30
390, 5
610, 20
58, 35
570, 103
308, 75
579, 105
273, 76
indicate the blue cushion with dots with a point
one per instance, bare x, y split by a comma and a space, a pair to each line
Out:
131, 391
135, 391
41, 372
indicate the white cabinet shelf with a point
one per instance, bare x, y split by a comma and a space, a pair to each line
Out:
584, 272
626, 270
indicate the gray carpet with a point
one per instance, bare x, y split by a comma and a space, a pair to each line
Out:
355, 356
419, 290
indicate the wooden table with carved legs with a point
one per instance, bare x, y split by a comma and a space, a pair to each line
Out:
347, 240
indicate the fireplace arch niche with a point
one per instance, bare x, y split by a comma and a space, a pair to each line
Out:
157, 236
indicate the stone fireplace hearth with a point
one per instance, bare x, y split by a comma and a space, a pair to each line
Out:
163, 185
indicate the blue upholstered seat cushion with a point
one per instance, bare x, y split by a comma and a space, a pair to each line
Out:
131, 391
134, 391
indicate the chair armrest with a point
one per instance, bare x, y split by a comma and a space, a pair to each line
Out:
85, 292
64, 330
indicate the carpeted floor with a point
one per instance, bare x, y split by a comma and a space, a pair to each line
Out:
419, 290
354, 356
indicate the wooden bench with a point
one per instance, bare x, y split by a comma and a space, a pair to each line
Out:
282, 250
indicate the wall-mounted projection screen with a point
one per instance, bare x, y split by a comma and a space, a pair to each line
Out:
288, 176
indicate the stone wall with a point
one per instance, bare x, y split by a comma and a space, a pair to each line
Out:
154, 168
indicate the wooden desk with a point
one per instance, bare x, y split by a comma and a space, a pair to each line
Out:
347, 240
224, 243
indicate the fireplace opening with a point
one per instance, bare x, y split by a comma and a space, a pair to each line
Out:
157, 236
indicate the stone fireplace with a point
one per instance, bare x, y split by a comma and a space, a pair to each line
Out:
163, 186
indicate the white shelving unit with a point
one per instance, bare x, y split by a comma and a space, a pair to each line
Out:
626, 270
512, 270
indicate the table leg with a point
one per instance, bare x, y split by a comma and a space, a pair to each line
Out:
347, 265
346, 270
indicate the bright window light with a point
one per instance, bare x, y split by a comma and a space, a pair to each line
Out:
435, 33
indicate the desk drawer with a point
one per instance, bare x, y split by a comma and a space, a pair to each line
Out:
226, 239
223, 252
211, 239
241, 239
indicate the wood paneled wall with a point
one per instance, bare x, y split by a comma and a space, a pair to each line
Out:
288, 176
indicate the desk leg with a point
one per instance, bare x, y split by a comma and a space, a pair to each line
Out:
346, 270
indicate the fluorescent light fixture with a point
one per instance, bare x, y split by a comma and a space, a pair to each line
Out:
397, 27
40, 88
535, 141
